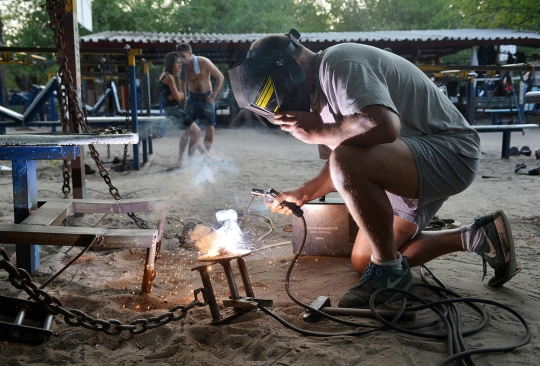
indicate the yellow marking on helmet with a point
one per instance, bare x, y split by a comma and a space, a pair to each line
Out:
266, 93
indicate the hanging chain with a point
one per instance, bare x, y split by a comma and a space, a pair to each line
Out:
57, 18
68, 93
21, 280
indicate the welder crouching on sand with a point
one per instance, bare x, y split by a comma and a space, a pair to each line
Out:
396, 146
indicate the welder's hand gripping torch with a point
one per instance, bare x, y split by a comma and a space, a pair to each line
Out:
272, 193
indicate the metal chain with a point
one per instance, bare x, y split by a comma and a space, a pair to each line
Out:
68, 93
57, 18
21, 280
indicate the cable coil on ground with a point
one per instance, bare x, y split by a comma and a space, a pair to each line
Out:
450, 317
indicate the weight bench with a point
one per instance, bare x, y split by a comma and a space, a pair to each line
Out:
35, 106
506, 131
41, 228
532, 97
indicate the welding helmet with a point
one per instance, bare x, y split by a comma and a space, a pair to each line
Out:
267, 82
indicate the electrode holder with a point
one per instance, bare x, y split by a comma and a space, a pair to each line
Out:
240, 305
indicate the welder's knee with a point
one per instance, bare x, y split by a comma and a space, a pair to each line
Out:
345, 162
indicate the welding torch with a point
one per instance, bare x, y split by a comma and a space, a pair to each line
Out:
271, 194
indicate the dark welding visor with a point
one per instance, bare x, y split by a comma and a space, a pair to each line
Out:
270, 82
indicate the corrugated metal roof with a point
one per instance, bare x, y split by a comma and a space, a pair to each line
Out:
333, 37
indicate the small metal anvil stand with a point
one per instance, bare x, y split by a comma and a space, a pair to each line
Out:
239, 304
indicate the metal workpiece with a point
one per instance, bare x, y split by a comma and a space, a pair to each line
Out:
322, 303
245, 277
241, 305
209, 292
21, 314
226, 264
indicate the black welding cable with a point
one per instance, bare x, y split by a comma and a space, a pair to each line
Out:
330, 317
70, 263
321, 313
433, 305
454, 334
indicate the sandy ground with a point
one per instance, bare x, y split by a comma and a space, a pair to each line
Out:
106, 284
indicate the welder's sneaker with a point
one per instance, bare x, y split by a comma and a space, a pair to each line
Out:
499, 251
374, 278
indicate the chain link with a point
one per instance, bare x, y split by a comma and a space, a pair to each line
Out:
56, 19
20, 279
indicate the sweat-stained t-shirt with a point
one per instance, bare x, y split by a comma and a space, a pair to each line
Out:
353, 76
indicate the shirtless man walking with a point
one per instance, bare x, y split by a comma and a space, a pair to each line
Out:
197, 72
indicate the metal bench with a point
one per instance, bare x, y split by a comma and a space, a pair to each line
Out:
40, 228
532, 97
506, 131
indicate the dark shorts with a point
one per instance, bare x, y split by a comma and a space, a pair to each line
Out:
201, 111
179, 117
441, 173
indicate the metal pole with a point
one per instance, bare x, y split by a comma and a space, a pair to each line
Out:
210, 297
149, 127
25, 196
230, 278
146, 69
71, 41
245, 277
522, 91
134, 107
472, 100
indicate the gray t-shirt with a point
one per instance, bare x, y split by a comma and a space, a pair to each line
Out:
353, 76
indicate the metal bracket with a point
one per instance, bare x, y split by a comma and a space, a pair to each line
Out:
26, 316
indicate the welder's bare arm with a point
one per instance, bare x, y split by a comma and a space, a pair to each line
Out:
317, 187
371, 125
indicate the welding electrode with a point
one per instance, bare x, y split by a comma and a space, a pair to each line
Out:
272, 193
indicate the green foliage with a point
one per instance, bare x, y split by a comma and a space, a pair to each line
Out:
26, 24
512, 14
132, 15
234, 16
376, 15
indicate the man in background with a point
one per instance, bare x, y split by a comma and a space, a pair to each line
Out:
196, 83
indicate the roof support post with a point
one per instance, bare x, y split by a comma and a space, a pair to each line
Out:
71, 41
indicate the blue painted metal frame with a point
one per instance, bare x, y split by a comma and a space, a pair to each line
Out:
25, 193
134, 111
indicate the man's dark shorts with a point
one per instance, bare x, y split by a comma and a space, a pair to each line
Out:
441, 173
200, 110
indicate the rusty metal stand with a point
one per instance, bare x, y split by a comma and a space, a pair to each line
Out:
240, 305
26, 315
